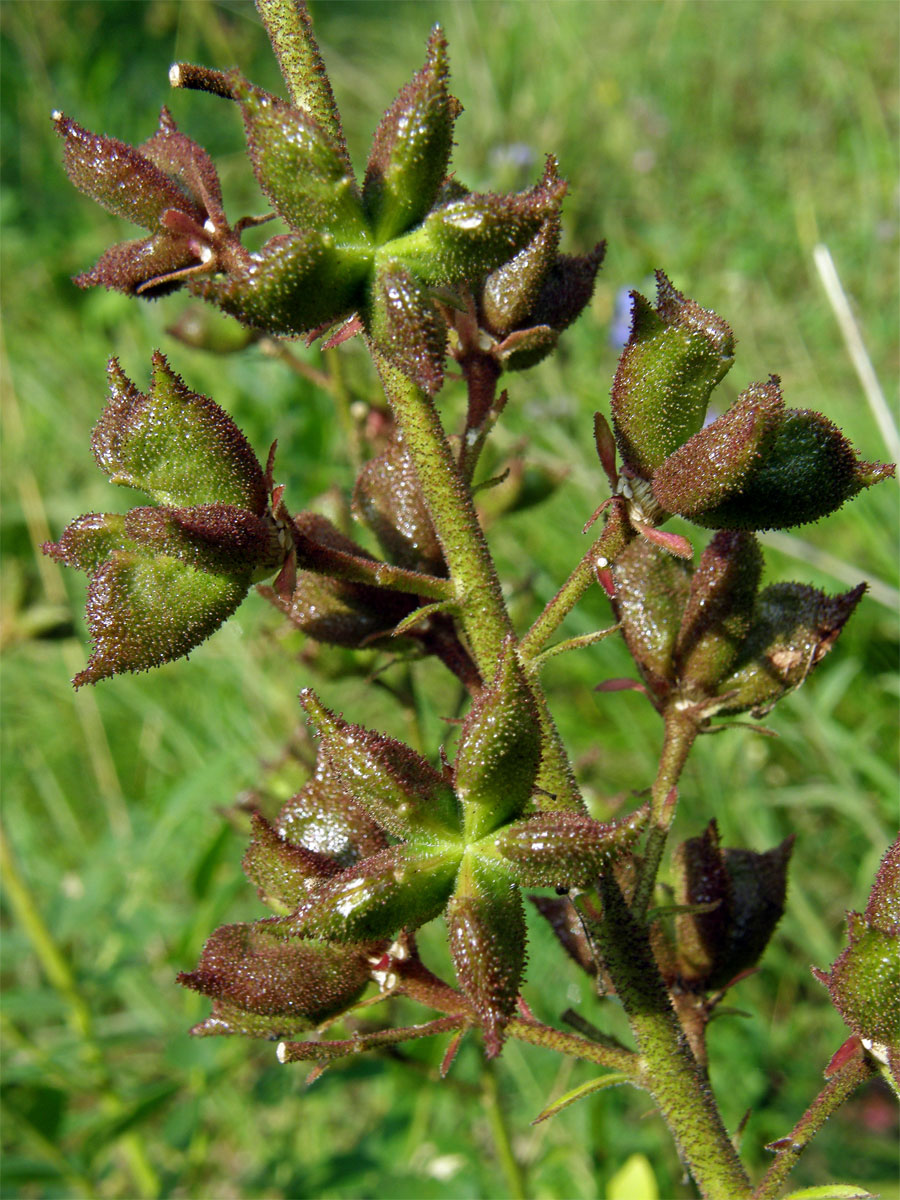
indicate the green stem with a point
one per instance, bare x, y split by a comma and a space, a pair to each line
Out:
493, 1102
680, 735
483, 614
668, 1069
841, 1085
609, 545
536, 1034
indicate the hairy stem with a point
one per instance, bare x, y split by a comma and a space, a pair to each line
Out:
609, 545
668, 1069
483, 613
680, 735
842, 1084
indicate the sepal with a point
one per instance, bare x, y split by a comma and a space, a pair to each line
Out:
808, 471
652, 590
170, 187
324, 818
719, 459
675, 356
499, 750
302, 172
794, 627
411, 149
394, 784
388, 499
283, 873
719, 610
469, 237
295, 283
864, 981
563, 848
405, 324
401, 887
174, 444
266, 983
486, 926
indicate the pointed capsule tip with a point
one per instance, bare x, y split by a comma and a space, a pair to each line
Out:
175, 75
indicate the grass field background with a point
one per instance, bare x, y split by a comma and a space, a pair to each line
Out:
720, 141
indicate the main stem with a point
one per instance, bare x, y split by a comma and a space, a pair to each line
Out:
669, 1070
483, 613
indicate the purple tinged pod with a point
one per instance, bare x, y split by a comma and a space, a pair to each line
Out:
324, 818
509, 293
411, 148
675, 356
284, 873
566, 848
337, 611
266, 983
299, 168
394, 784
807, 472
716, 463
486, 926
864, 981
143, 612
748, 890
499, 750
652, 590
163, 579
794, 627
169, 186
403, 321
719, 611
295, 283
399, 888
473, 235
388, 499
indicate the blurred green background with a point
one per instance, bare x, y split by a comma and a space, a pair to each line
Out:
720, 141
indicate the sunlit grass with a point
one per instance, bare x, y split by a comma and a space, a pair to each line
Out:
719, 141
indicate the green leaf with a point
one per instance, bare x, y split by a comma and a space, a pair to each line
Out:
578, 1093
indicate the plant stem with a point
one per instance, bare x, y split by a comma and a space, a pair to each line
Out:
493, 1103
609, 545
536, 1034
841, 1085
483, 613
680, 735
668, 1069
